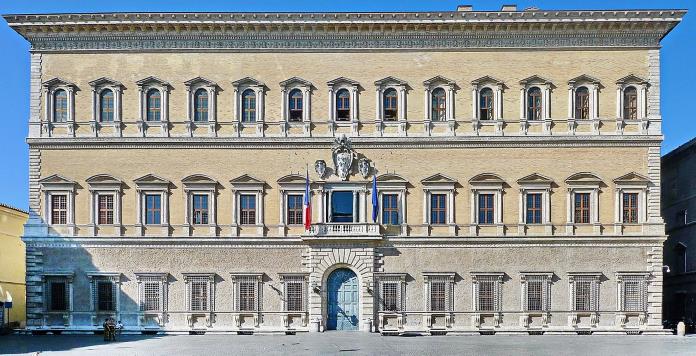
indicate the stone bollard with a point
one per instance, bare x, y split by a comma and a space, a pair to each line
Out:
681, 329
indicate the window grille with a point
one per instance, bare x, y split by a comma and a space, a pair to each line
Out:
438, 208
104, 294
58, 298
582, 208
390, 209
59, 209
154, 105
487, 293
151, 296
630, 208
247, 293
585, 293
534, 107
106, 209
295, 293
106, 104
343, 105
439, 105
536, 292
582, 103
633, 292
390, 293
437, 295
247, 209
390, 110
630, 103
200, 105
153, 209
486, 104
485, 207
199, 291
534, 208
295, 209
200, 209
60, 106
535, 295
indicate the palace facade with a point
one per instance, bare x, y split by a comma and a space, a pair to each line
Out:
466, 171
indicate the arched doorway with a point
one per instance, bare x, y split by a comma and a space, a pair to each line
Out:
343, 300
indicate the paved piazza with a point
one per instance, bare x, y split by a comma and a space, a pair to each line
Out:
350, 344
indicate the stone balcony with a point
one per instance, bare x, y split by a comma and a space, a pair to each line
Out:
343, 231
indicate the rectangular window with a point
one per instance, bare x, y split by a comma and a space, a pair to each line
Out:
107, 107
294, 294
200, 209
438, 295
630, 208
106, 209
153, 209
390, 209
634, 293
342, 206
247, 295
438, 209
485, 209
247, 209
199, 294
59, 209
105, 296
583, 295
151, 296
535, 295
295, 207
390, 105
58, 295
390, 296
582, 208
534, 208
486, 294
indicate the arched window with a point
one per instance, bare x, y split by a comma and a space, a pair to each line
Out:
296, 105
60, 106
343, 105
582, 103
106, 106
630, 103
200, 105
248, 106
438, 105
154, 105
534, 104
486, 104
390, 104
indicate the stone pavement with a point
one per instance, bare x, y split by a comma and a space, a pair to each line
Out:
344, 343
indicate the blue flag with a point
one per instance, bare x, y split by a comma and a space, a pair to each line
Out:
375, 200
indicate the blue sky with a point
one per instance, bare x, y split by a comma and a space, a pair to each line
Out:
678, 50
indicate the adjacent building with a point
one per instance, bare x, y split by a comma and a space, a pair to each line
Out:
12, 265
679, 200
461, 171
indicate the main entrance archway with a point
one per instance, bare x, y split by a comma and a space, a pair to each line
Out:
343, 300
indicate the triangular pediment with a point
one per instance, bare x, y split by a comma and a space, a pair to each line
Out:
390, 81
486, 178
342, 80
535, 178
152, 80
487, 79
58, 81
246, 179
150, 179
583, 177
438, 79
200, 80
103, 179
392, 178
632, 177
292, 178
583, 79
56, 179
248, 81
105, 81
199, 178
296, 81
631, 79
438, 178
534, 79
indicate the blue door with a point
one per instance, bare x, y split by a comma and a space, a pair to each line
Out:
343, 300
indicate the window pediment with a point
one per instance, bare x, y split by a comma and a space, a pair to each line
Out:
535, 80
536, 179
248, 82
104, 181
56, 82
632, 178
105, 82
199, 181
439, 80
438, 178
486, 179
57, 182
583, 178
296, 81
292, 179
246, 180
152, 81
151, 179
200, 81
583, 79
391, 178
343, 81
487, 80
631, 79
391, 81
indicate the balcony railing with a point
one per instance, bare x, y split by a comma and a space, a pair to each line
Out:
344, 231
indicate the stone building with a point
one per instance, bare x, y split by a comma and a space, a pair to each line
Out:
12, 272
468, 172
679, 197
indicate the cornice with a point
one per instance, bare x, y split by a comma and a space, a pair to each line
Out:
363, 142
343, 31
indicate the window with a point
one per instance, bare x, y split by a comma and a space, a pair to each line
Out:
582, 208
582, 103
583, 295
154, 105
534, 208
439, 105
153, 209
342, 207
439, 291
247, 295
534, 107
390, 296
295, 105
535, 295
485, 209
438, 209
486, 295
106, 209
58, 295
633, 292
59, 209
200, 105
486, 104
295, 288
105, 295
630, 103
199, 293
390, 209
106, 106
487, 290
247, 209
437, 295
295, 209
390, 104
151, 296
60, 106
343, 105
630, 208
249, 106
200, 209
585, 292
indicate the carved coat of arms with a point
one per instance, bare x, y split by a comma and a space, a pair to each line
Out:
343, 156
